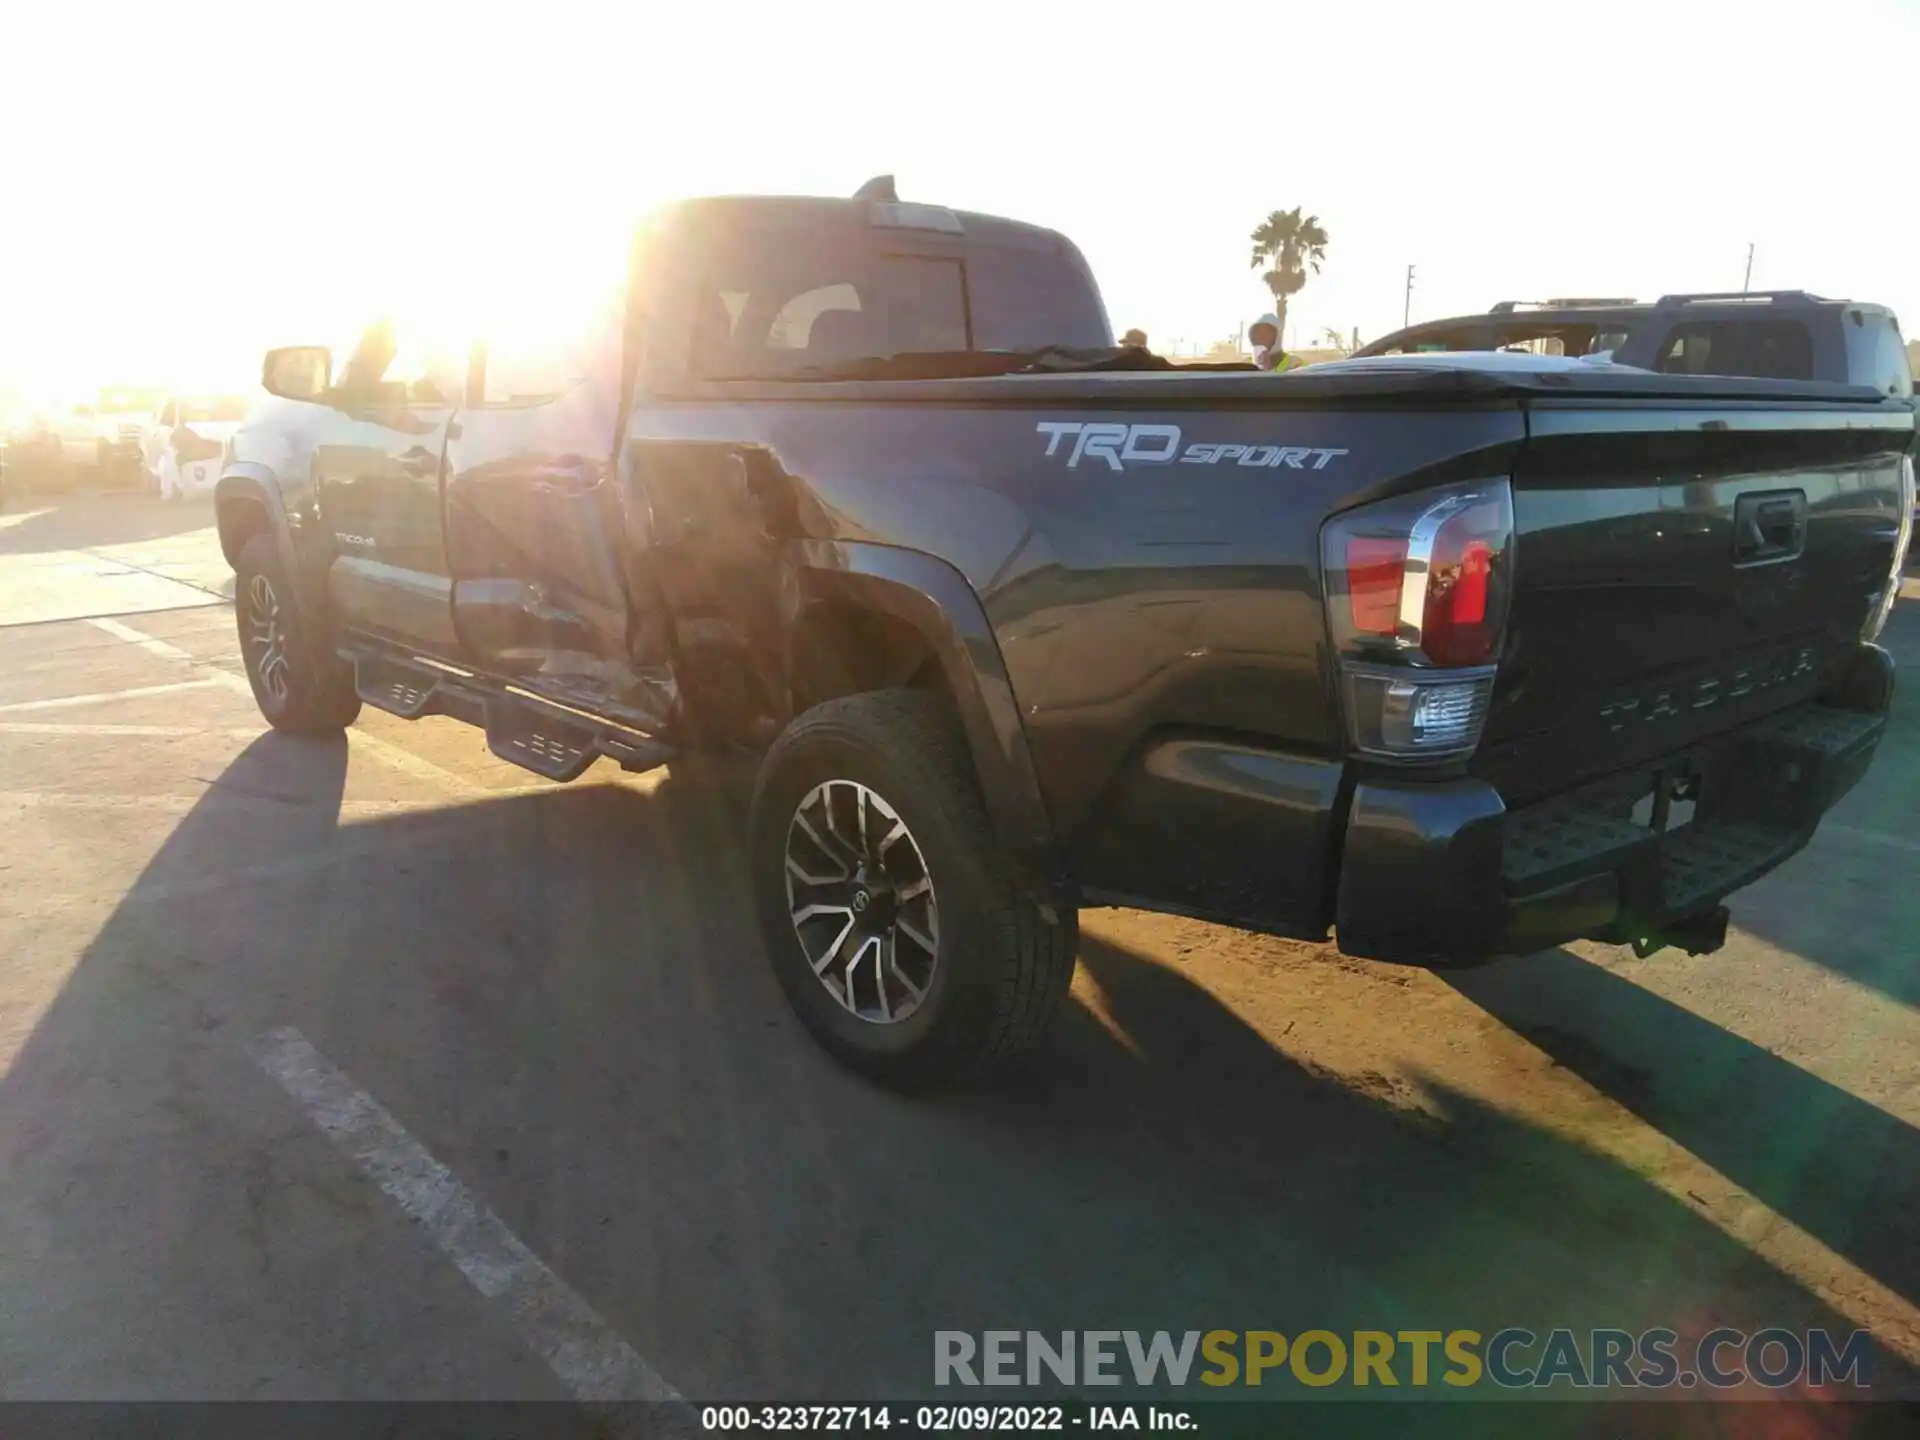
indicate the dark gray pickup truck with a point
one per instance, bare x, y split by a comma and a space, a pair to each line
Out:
1455, 657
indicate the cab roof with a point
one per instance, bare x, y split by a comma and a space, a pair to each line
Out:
815, 212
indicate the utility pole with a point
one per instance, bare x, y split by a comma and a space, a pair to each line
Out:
1406, 309
1749, 277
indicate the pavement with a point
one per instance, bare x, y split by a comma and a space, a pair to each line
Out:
374, 1068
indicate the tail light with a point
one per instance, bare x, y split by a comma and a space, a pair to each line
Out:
1882, 606
1417, 592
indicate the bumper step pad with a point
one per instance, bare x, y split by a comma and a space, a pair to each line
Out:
1762, 792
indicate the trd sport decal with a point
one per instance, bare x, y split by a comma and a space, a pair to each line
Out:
1124, 445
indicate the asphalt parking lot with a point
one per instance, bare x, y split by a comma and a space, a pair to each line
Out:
249, 984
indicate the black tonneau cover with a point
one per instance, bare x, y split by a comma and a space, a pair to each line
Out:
1101, 379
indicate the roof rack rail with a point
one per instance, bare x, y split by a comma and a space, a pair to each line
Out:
1751, 297
1581, 302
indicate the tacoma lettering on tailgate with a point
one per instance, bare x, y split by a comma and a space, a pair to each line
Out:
1706, 691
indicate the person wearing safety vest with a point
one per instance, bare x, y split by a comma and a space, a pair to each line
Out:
1267, 354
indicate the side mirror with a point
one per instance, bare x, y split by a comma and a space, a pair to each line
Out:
298, 372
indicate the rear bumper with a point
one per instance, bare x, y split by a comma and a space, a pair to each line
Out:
1441, 873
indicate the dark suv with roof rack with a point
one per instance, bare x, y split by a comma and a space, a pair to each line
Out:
1771, 334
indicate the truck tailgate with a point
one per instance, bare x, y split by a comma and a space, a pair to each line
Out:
1680, 570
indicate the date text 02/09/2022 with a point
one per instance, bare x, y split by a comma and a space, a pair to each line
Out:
942, 1419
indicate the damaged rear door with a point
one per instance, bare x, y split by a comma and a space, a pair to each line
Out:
542, 549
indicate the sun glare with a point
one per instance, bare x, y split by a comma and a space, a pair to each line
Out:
479, 170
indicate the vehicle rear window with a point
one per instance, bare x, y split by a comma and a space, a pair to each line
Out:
1028, 297
773, 310
778, 300
1766, 350
1876, 355
1545, 338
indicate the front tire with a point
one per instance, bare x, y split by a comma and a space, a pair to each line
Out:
298, 683
889, 912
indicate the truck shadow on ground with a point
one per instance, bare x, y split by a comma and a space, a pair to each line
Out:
1838, 1167
561, 995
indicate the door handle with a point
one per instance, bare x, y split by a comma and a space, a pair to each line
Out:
1769, 527
419, 462
1775, 522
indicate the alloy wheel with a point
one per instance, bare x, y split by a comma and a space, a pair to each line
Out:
862, 901
267, 638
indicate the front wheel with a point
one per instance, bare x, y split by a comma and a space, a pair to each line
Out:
298, 684
889, 913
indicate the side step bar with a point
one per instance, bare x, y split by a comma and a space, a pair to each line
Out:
396, 687
548, 739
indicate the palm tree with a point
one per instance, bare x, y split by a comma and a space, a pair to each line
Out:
1291, 246
1332, 338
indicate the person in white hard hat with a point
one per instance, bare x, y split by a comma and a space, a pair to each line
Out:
1264, 333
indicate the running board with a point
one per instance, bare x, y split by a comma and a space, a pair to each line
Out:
396, 687
535, 734
539, 743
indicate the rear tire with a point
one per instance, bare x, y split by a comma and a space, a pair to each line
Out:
298, 682
906, 1013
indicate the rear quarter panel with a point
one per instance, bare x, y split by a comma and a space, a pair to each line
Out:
1128, 597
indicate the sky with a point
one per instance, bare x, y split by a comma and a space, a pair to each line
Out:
192, 183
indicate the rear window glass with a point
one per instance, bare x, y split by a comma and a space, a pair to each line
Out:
775, 310
1876, 355
1767, 350
1546, 338
779, 299
1027, 297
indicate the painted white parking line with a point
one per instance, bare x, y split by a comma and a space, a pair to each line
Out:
555, 1322
128, 732
394, 756
1872, 837
153, 645
101, 697
216, 594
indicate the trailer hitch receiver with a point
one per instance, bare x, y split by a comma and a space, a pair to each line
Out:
1700, 934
